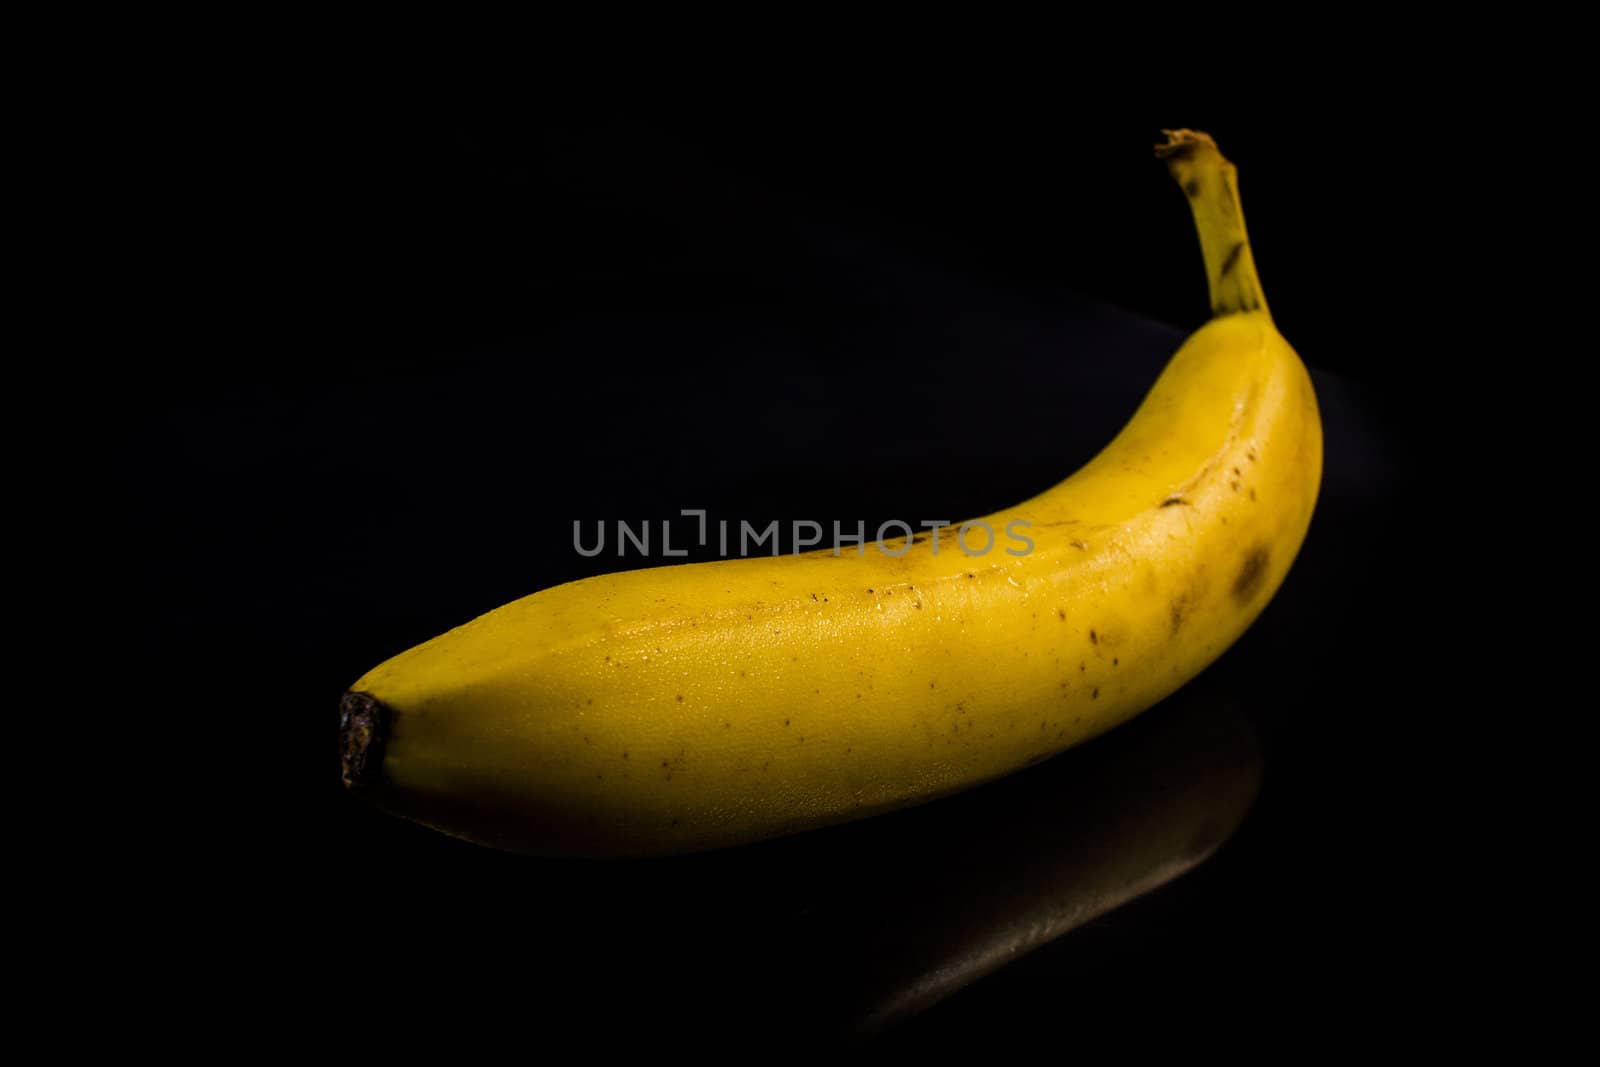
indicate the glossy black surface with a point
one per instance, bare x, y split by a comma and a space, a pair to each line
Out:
618, 322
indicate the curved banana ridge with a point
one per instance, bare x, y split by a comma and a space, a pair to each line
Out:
688, 707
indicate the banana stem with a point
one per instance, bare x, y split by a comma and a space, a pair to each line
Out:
1212, 185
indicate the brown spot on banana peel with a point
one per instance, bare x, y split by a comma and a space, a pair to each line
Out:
1233, 259
1252, 575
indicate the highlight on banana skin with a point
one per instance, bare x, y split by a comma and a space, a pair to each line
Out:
696, 706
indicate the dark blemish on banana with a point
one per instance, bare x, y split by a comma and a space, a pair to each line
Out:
1095, 695
1251, 576
1191, 188
813, 596
786, 722
680, 698
869, 590
1094, 638
1115, 661
1080, 544
727, 726
1061, 613
1251, 455
1233, 259
1252, 494
1083, 666
624, 755
971, 575
1178, 607
1173, 501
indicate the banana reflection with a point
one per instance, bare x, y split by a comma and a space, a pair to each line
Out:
956, 891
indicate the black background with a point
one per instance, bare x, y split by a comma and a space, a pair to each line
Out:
459, 327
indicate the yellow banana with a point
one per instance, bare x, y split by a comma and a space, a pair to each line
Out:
687, 707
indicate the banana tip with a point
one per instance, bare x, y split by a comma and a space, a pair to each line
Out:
363, 725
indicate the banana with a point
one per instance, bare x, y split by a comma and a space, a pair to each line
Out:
681, 708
